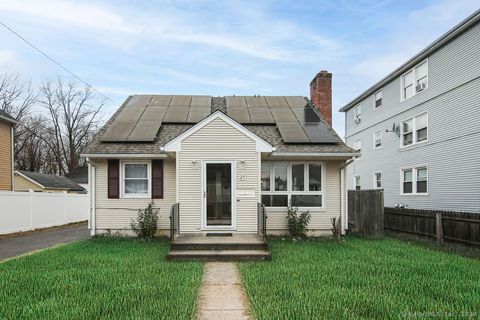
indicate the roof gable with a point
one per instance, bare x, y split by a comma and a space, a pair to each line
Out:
260, 144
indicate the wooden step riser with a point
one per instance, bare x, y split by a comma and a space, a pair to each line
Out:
219, 246
219, 258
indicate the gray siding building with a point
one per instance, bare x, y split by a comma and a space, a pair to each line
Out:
418, 129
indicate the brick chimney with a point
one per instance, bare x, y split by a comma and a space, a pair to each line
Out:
321, 94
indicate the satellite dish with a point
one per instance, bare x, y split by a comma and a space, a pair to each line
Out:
395, 129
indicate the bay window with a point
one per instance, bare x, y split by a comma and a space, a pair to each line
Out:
296, 183
136, 179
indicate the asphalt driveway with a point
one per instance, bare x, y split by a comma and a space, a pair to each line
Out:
12, 246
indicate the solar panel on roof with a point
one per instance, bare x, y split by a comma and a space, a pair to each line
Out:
276, 102
176, 114
118, 132
283, 115
131, 114
201, 101
154, 113
180, 101
239, 114
139, 100
197, 113
256, 102
145, 130
306, 114
292, 133
296, 101
160, 100
236, 102
319, 133
261, 115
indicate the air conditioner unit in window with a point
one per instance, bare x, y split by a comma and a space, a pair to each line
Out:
357, 120
420, 87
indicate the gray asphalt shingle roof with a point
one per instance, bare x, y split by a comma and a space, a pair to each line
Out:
6, 117
168, 132
52, 181
78, 174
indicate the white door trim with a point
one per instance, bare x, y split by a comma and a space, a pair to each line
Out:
233, 169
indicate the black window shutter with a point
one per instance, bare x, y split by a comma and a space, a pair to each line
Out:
113, 178
157, 179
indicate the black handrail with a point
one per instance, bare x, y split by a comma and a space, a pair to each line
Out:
262, 220
174, 221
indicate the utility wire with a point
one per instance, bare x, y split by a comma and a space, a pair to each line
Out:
55, 62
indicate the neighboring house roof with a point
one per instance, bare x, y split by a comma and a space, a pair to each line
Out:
169, 131
50, 181
7, 118
78, 175
434, 46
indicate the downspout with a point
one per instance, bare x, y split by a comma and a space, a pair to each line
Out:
343, 196
91, 182
13, 159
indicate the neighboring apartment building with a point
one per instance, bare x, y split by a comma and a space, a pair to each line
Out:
418, 129
7, 123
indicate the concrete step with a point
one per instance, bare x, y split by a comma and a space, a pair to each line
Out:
218, 246
218, 255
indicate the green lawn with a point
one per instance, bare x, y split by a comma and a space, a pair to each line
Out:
104, 278
361, 279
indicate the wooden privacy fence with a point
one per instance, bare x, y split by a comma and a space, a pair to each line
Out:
461, 227
365, 212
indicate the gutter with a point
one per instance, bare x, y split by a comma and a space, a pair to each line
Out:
12, 147
123, 155
91, 181
316, 154
434, 46
10, 120
344, 195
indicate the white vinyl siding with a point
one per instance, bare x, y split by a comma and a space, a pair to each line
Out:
205, 145
117, 214
320, 217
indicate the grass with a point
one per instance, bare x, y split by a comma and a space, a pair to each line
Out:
108, 278
361, 279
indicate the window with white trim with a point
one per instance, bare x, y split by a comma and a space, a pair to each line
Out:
378, 99
415, 80
357, 114
136, 179
377, 180
356, 180
415, 180
377, 140
357, 145
414, 130
298, 183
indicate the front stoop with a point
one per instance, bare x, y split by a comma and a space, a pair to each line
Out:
236, 248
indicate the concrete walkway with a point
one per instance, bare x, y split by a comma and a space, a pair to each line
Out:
12, 246
222, 295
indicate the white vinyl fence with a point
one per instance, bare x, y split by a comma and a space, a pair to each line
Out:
23, 211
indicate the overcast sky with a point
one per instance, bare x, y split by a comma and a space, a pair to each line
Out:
222, 47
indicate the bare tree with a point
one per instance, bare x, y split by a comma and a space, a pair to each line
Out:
73, 112
17, 98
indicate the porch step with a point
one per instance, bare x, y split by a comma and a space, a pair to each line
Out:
218, 255
217, 246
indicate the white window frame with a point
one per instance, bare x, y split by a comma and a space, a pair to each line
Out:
357, 114
375, 140
415, 80
414, 180
375, 100
355, 182
289, 192
375, 180
354, 147
122, 179
414, 130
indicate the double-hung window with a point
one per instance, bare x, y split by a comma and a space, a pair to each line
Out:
377, 180
297, 183
357, 114
415, 180
136, 179
377, 140
378, 100
415, 80
414, 130
357, 146
356, 180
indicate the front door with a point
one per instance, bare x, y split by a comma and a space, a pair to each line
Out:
218, 195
